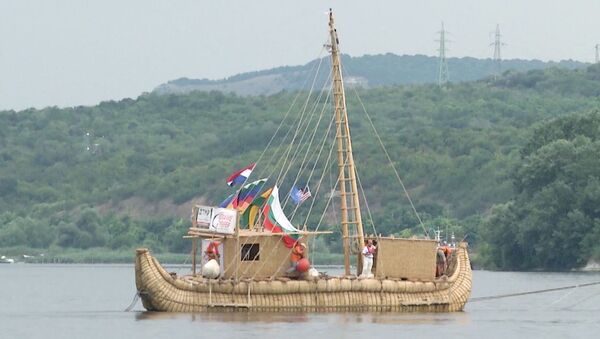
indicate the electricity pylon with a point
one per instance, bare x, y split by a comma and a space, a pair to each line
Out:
497, 52
443, 76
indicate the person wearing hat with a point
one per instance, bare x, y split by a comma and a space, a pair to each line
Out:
297, 253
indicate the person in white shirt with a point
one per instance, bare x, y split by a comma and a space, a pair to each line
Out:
367, 253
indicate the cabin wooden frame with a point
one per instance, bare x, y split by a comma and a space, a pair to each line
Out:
405, 259
259, 264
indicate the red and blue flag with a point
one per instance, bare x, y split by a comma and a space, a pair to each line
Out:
240, 176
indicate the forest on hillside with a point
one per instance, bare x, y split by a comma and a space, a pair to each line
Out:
472, 156
368, 71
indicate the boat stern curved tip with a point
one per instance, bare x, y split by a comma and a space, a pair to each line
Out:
461, 279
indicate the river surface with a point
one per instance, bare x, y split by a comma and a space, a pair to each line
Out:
88, 301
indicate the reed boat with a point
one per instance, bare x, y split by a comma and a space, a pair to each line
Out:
247, 246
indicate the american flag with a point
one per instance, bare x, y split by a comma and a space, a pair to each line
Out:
299, 195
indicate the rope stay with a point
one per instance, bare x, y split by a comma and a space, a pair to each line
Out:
286, 258
297, 122
366, 203
510, 295
301, 144
317, 157
275, 158
389, 158
134, 301
310, 143
291, 145
325, 169
286, 115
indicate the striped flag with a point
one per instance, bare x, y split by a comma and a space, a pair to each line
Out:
241, 199
299, 195
249, 216
240, 176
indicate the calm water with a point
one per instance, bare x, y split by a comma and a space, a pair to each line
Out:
87, 301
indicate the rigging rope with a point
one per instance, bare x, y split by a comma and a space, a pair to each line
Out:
318, 156
312, 203
300, 143
366, 202
312, 113
300, 91
136, 297
510, 295
274, 156
281, 123
412, 205
310, 143
586, 298
286, 258
289, 149
322, 215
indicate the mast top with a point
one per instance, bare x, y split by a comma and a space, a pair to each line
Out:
334, 41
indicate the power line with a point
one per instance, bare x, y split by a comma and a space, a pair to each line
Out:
597, 56
443, 75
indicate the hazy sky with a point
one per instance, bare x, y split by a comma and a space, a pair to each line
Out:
78, 52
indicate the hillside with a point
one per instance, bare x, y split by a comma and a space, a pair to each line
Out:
130, 182
366, 71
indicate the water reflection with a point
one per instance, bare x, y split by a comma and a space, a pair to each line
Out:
235, 317
459, 318
87, 301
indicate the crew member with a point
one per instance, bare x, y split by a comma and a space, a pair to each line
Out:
443, 259
440, 267
297, 254
212, 251
367, 253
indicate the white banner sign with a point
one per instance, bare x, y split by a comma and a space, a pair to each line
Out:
204, 217
216, 219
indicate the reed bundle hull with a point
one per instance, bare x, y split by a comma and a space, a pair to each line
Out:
160, 291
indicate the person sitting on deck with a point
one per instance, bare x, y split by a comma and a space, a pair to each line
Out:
367, 253
212, 251
297, 254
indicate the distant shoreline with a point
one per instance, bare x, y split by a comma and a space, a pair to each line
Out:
96, 256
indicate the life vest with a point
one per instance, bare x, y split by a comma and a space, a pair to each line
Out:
212, 248
297, 253
447, 251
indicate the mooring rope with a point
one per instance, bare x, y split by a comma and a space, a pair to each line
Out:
580, 301
532, 292
136, 297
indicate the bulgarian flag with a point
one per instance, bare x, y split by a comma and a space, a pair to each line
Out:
276, 222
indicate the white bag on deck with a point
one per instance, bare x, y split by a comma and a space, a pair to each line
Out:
211, 269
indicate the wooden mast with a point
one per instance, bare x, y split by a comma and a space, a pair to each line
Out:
349, 201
